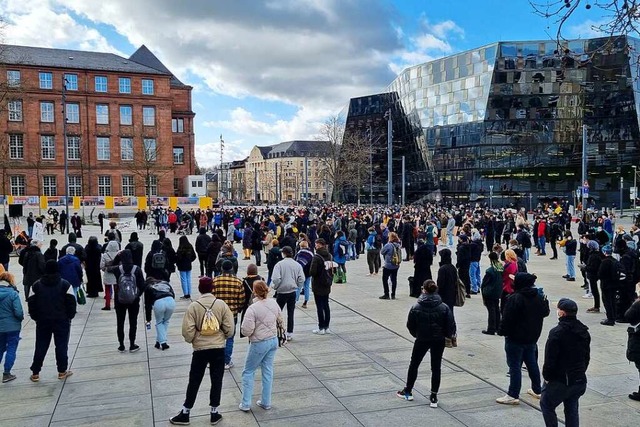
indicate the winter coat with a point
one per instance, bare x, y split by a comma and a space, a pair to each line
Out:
510, 269
107, 260
491, 287
463, 255
341, 241
387, 254
11, 314
137, 252
246, 237
202, 242
52, 299
422, 259
185, 258
70, 270
273, 256
153, 291
475, 250
92, 268
126, 263
633, 343
213, 251
447, 279
192, 322
320, 284
32, 261
6, 248
430, 319
222, 257
523, 315
608, 274
567, 352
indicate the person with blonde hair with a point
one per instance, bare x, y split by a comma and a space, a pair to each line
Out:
11, 316
260, 325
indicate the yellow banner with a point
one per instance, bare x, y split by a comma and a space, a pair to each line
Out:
205, 202
108, 202
173, 203
44, 202
142, 202
76, 202
10, 200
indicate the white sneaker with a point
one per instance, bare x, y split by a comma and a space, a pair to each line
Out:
229, 365
508, 400
318, 331
587, 296
328, 331
530, 392
289, 337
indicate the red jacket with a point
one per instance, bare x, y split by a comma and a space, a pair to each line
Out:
542, 228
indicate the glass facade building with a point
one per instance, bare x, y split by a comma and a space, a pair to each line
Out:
505, 121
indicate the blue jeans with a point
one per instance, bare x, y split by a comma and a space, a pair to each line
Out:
474, 275
307, 282
516, 355
542, 242
261, 354
228, 349
9, 344
553, 394
450, 237
162, 311
571, 268
527, 253
185, 281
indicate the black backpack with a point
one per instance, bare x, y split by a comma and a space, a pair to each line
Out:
159, 260
377, 243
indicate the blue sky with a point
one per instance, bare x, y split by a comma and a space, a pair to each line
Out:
264, 72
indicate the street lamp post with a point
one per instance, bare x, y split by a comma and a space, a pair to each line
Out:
491, 197
635, 185
621, 188
404, 200
370, 167
387, 116
64, 137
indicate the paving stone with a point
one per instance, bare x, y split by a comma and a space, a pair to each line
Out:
500, 416
369, 384
328, 419
408, 416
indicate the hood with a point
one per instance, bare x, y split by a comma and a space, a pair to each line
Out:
6, 290
156, 245
572, 324
445, 257
216, 238
429, 300
323, 252
126, 257
523, 281
112, 247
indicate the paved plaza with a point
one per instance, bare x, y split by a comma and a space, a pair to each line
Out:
348, 378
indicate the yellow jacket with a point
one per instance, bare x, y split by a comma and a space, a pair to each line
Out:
193, 320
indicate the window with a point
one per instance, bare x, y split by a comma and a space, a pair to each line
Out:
150, 150
147, 87
177, 125
101, 83
104, 185
102, 114
16, 146
49, 185
48, 147
15, 110
71, 81
124, 85
178, 155
128, 189
46, 112
152, 185
75, 186
73, 147
126, 115
46, 80
176, 186
13, 78
18, 185
126, 149
104, 148
73, 113
148, 116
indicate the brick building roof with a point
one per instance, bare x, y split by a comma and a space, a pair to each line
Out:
145, 57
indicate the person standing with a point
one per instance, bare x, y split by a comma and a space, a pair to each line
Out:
108, 278
321, 281
136, 247
52, 306
208, 349
570, 250
63, 221
373, 246
71, 270
76, 224
288, 277
101, 221
422, 261
463, 262
30, 222
6, 248
128, 276
273, 257
609, 283
392, 255
632, 316
521, 327
185, 255
92, 267
447, 281
32, 262
566, 359
304, 257
593, 260
228, 288
475, 253
202, 242
11, 316
159, 297
491, 291
259, 325
430, 321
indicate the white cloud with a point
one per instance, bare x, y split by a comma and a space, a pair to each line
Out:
586, 29
443, 29
26, 23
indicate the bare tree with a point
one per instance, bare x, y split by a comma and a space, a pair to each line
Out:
146, 165
332, 131
354, 161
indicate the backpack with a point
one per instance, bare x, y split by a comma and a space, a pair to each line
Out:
396, 258
377, 243
127, 289
621, 273
159, 260
209, 324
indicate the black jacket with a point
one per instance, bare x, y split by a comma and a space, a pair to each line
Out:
633, 344
52, 299
475, 250
447, 279
430, 319
571, 247
608, 273
320, 283
202, 241
463, 255
160, 274
126, 262
137, 251
567, 353
153, 291
593, 263
523, 314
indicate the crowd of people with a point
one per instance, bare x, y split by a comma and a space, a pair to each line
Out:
306, 251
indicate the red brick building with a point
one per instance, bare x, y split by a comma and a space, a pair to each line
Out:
129, 123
